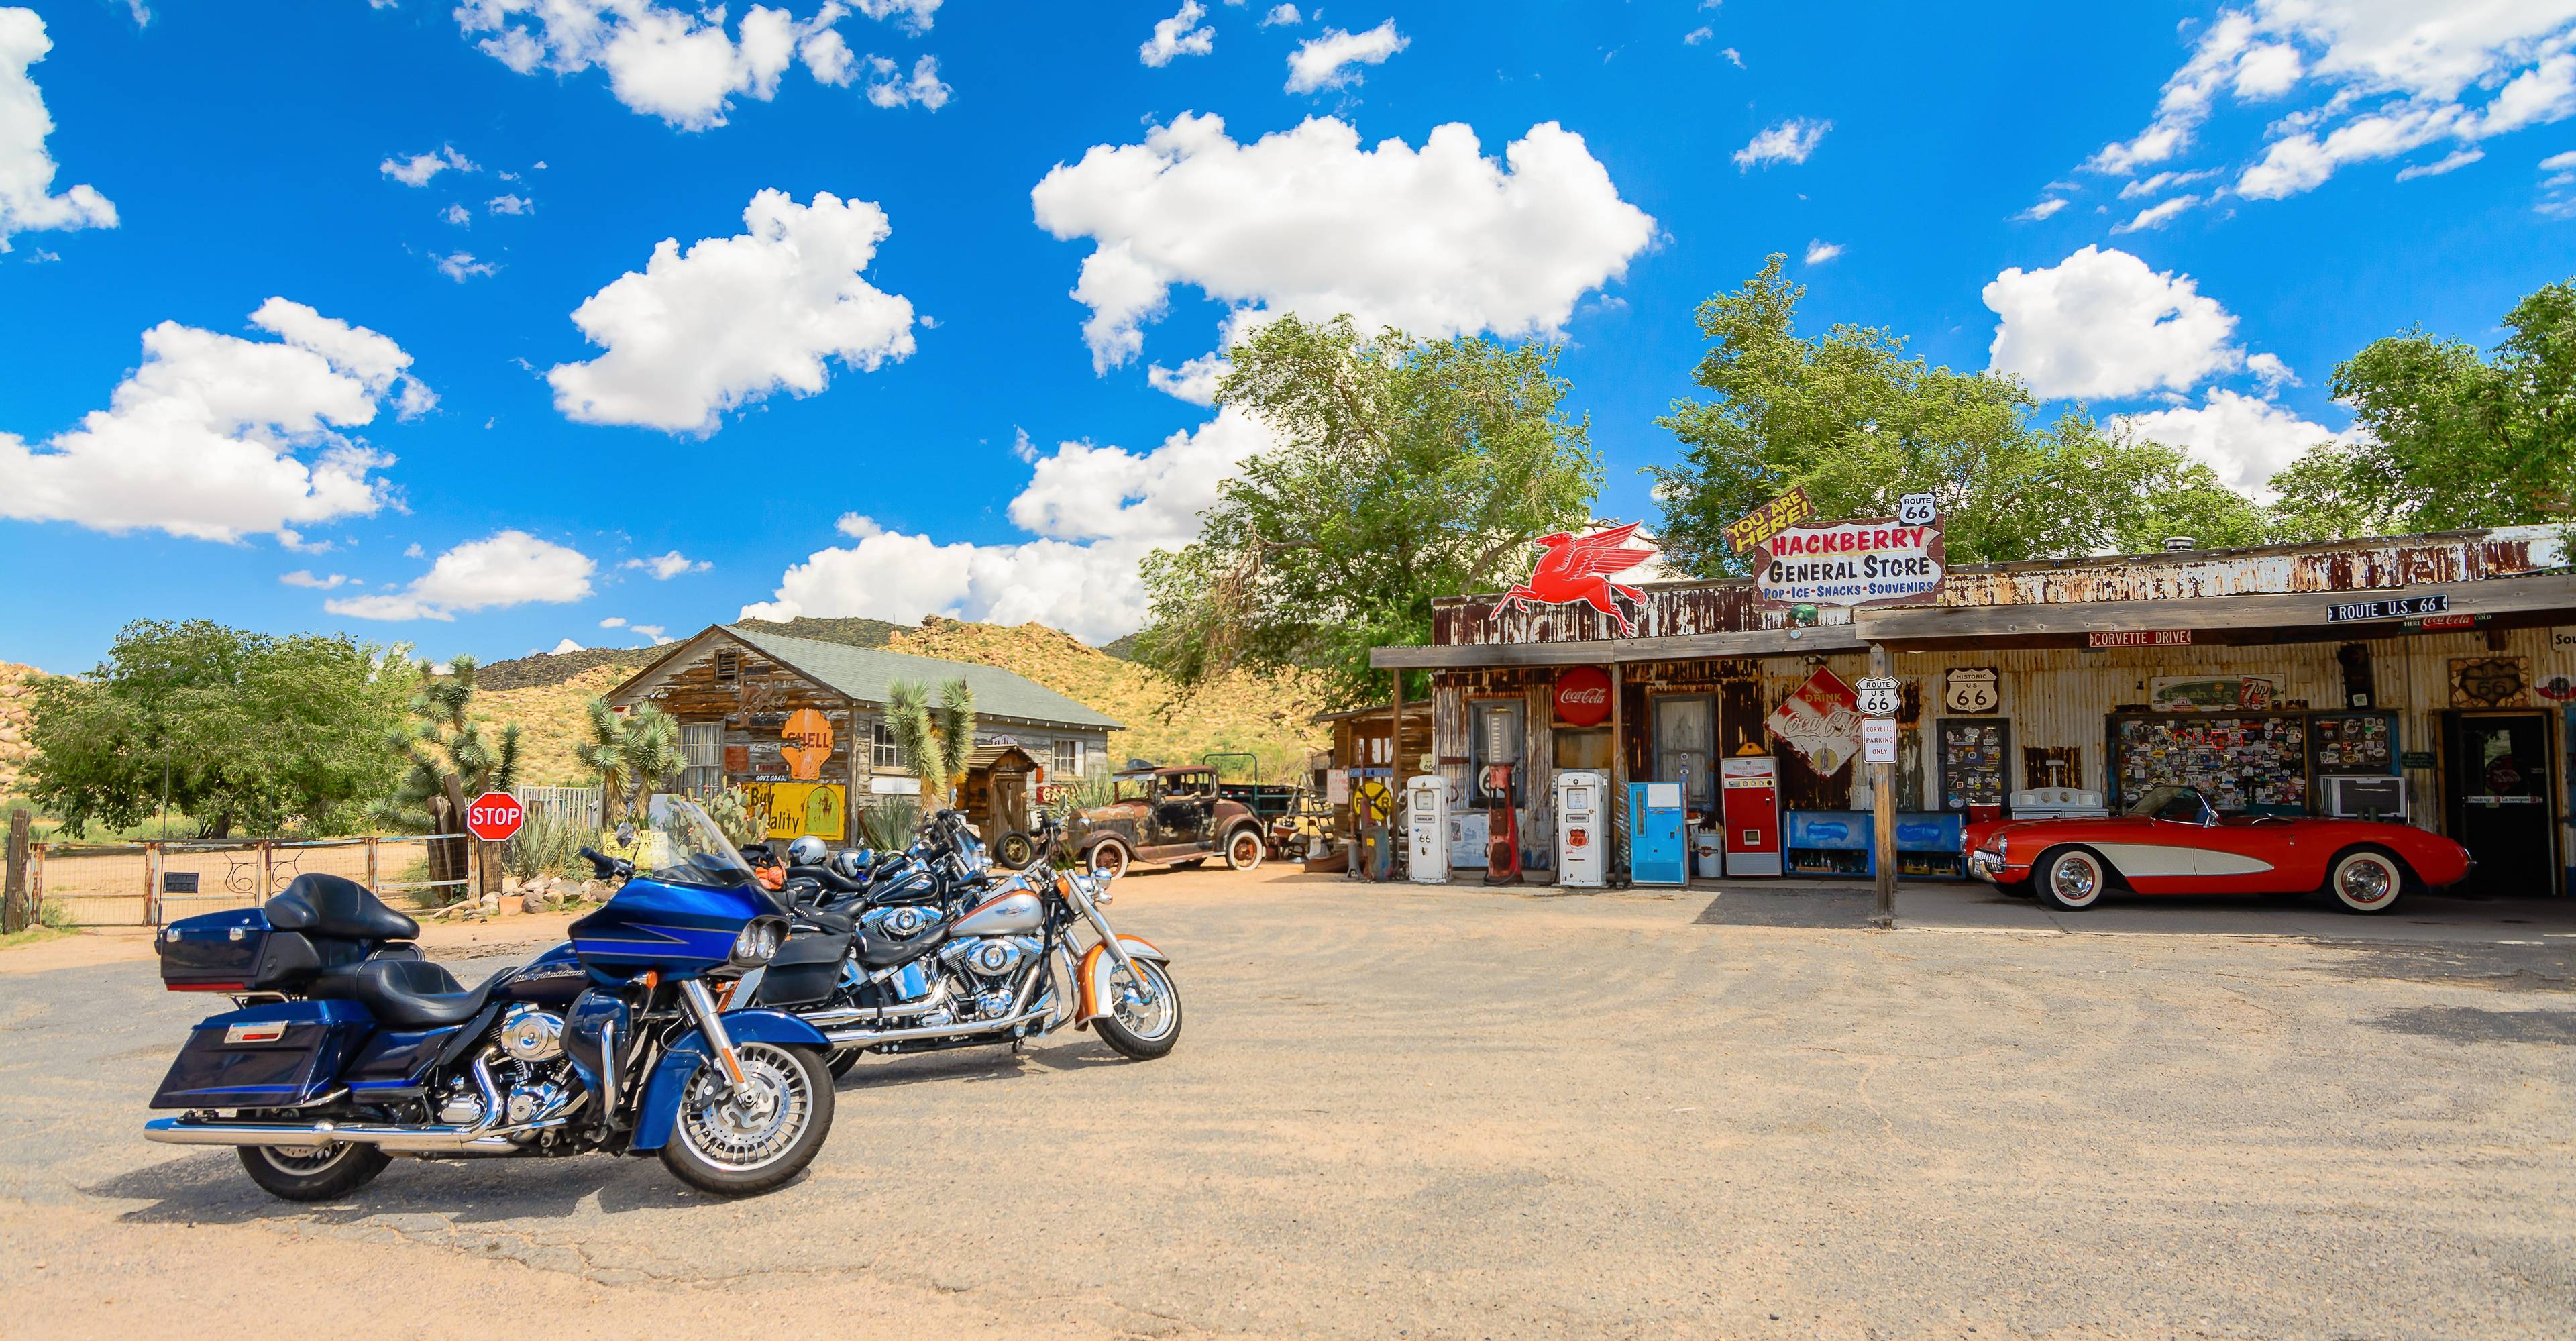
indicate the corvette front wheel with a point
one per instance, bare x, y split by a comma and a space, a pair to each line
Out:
2072, 879
2365, 881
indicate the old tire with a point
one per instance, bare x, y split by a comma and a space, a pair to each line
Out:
323, 1173
734, 1150
845, 1058
1244, 850
2072, 879
2365, 880
1108, 859
1141, 1030
1014, 850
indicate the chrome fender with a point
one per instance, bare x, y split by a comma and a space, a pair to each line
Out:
659, 1110
1093, 975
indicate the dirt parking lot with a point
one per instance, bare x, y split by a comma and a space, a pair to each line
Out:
1460, 1113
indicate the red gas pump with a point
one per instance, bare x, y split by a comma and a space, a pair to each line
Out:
1502, 834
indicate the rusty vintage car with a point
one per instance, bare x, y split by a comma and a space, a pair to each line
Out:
1167, 817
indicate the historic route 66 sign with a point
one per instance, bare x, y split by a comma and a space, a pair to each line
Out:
1970, 689
1879, 696
1917, 510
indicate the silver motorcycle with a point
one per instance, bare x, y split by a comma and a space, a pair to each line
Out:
1019, 957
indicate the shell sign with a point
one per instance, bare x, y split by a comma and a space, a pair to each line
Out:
805, 743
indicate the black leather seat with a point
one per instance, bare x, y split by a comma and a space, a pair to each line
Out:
822, 918
406, 993
337, 907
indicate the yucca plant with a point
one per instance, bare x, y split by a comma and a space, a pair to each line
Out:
934, 744
546, 844
631, 754
450, 763
887, 823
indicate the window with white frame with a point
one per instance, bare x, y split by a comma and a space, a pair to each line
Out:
885, 753
701, 758
1068, 759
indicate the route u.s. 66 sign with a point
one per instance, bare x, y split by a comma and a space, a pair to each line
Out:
1878, 562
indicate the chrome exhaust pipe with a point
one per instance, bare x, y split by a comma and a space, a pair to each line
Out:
957, 1029
392, 1140
824, 1019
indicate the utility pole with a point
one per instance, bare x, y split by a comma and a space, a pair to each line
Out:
1882, 787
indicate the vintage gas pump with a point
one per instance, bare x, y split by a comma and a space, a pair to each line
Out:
1582, 828
1503, 840
1426, 851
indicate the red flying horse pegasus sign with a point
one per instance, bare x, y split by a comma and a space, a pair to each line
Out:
1577, 569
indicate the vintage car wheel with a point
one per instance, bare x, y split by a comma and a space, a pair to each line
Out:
1244, 850
2072, 879
1014, 850
2365, 880
1107, 859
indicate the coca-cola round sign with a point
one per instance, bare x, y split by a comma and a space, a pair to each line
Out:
1583, 696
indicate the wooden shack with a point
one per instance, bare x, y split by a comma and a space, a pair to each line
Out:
999, 782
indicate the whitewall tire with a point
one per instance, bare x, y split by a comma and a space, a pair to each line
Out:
2072, 879
2365, 881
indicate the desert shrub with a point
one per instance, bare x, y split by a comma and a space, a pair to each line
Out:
546, 844
887, 822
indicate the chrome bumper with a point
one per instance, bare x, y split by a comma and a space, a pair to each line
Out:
1986, 866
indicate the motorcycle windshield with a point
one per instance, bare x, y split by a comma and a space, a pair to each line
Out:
684, 847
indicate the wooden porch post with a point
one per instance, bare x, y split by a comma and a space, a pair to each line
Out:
1395, 747
1618, 771
1882, 780
371, 862
17, 910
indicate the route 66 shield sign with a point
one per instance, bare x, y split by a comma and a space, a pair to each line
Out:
1880, 696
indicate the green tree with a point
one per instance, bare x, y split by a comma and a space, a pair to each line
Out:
631, 755
1404, 471
238, 728
2450, 438
934, 743
1858, 424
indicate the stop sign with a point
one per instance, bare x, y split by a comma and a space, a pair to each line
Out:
494, 816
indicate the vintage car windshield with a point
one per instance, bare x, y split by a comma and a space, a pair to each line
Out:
684, 847
2172, 803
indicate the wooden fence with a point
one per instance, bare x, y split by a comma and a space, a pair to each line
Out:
576, 806
147, 884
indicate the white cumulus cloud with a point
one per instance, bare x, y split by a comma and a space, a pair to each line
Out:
2102, 323
1792, 141
27, 201
889, 86
735, 319
215, 437
1331, 58
664, 567
1282, 14
507, 568
461, 266
1820, 251
2245, 439
2386, 77
613, 622
1194, 381
680, 64
1092, 513
1179, 35
1440, 241
417, 169
303, 578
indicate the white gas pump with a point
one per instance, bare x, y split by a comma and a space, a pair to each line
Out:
1582, 828
1426, 828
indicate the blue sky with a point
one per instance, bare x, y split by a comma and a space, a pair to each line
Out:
889, 402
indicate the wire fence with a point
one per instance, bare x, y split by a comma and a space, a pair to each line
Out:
148, 884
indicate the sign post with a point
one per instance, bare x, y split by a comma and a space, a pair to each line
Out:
1880, 696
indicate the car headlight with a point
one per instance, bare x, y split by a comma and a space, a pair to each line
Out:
758, 943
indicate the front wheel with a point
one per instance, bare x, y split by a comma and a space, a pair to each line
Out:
1107, 859
762, 1133
1139, 1028
2365, 881
1244, 851
313, 1173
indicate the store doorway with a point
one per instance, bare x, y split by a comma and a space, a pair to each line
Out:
2495, 784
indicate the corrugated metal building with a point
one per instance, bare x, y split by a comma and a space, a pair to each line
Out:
2260, 675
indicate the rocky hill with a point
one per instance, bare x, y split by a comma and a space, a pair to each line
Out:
17, 703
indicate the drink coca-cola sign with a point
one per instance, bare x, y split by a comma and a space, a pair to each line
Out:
1583, 696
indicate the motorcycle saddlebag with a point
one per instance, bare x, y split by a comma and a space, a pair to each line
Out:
274, 1055
233, 951
805, 970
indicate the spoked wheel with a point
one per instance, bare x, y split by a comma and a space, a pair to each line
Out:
1140, 1028
2366, 881
763, 1132
2072, 879
1108, 860
1244, 851
313, 1172
1014, 850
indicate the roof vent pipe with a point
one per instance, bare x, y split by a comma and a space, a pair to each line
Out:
2175, 544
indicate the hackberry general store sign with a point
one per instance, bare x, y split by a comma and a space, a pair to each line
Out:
1886, 561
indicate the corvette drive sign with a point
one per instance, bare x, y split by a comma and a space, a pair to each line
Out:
1881, 562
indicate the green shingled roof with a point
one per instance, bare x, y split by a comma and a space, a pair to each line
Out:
865, 673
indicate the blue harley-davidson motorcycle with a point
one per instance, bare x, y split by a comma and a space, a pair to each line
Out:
347, 1048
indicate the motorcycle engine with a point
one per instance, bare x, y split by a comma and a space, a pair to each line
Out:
988, 963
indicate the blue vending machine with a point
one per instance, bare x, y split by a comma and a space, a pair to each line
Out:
1656, 853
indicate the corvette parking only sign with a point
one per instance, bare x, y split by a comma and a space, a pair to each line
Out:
1883, 561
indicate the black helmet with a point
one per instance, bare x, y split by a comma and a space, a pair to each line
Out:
806, 851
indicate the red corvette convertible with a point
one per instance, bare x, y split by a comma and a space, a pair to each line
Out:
2172, 842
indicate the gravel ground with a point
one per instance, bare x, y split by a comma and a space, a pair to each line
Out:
1458, 1113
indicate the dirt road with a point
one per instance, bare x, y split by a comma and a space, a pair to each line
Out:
1454, 1113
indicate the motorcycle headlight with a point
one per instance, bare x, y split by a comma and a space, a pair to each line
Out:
758, 943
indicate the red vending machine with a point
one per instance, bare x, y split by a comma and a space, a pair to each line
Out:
1751, 809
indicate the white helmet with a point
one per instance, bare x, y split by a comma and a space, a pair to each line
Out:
806, 851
